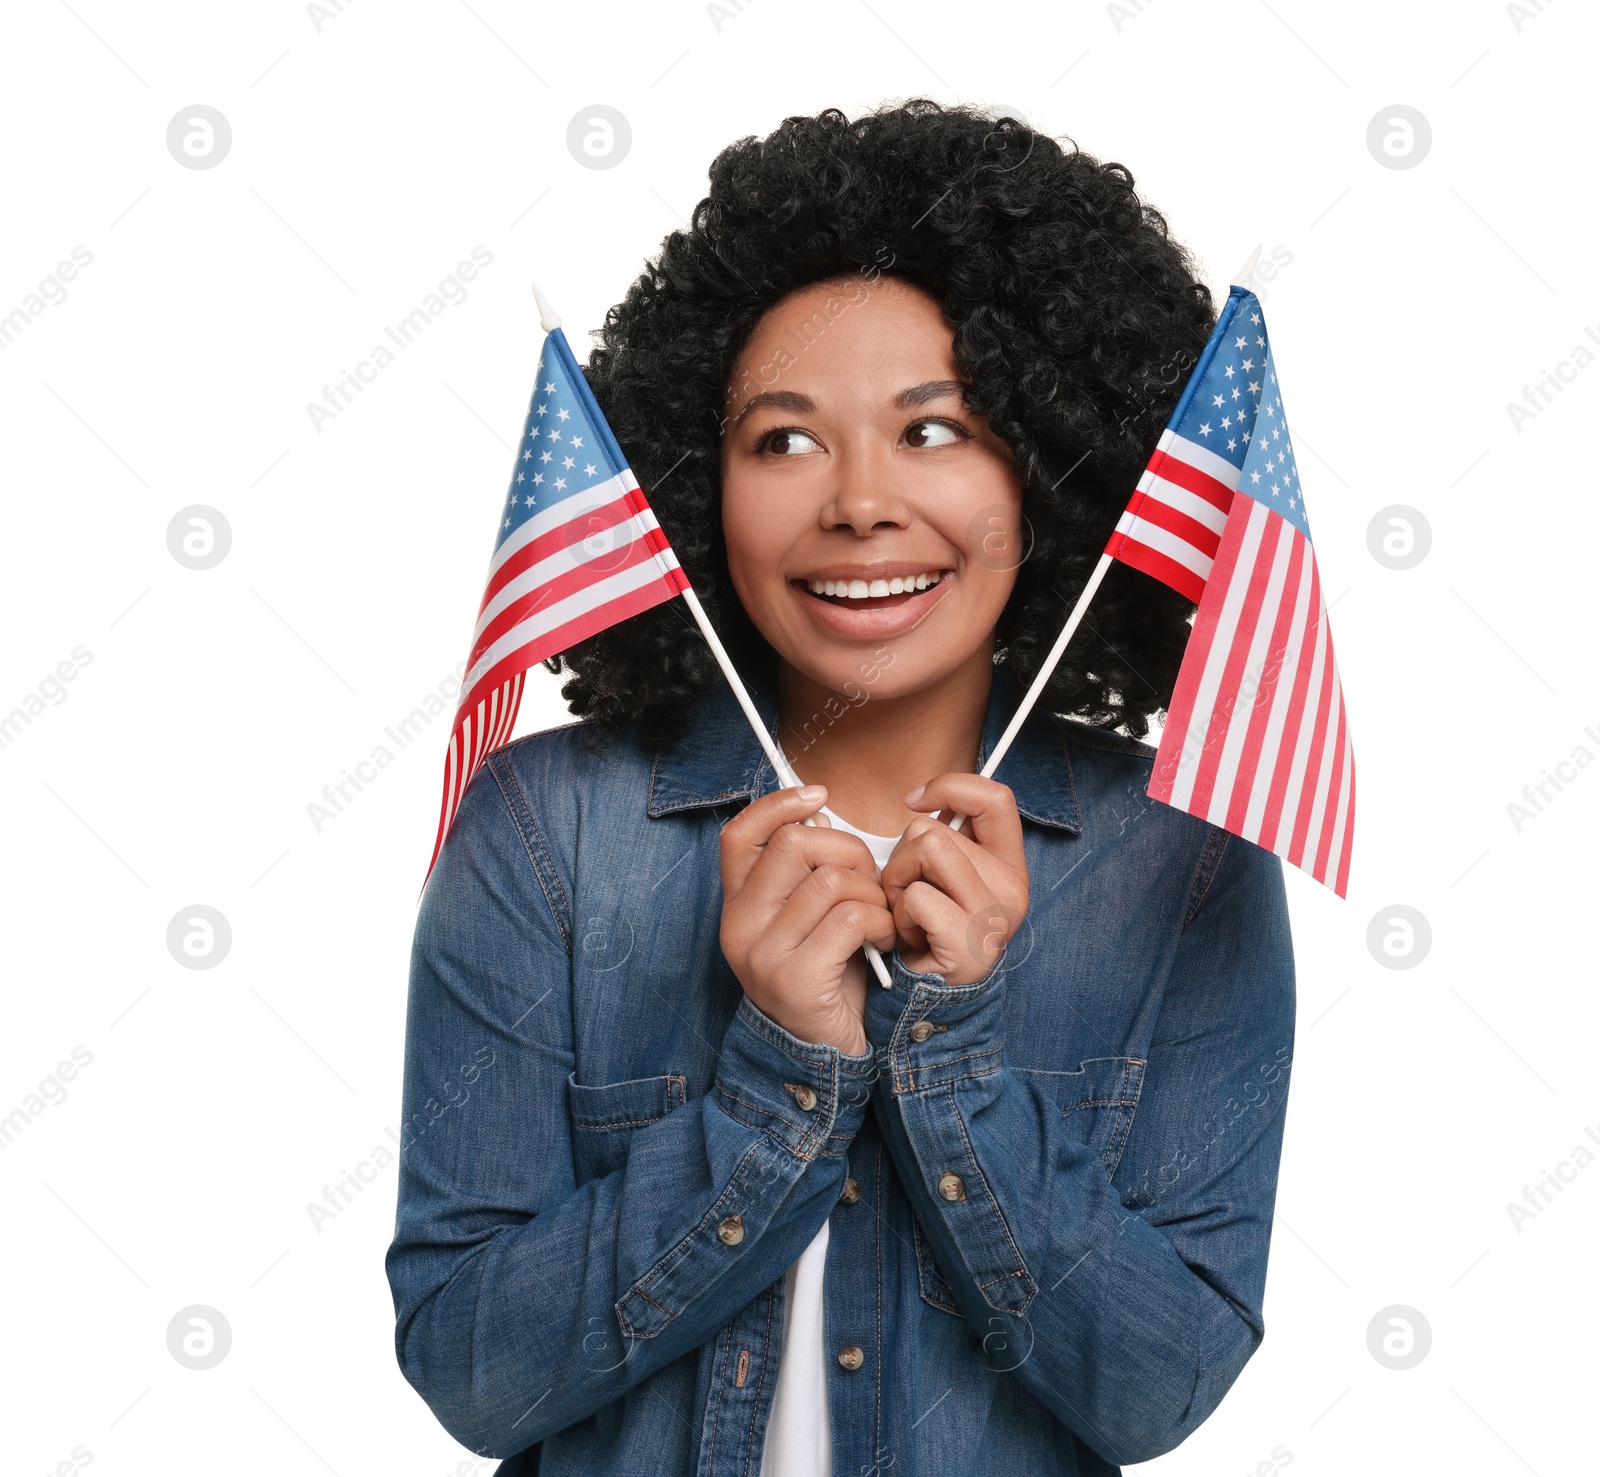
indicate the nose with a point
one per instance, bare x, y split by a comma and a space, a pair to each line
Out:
866, 491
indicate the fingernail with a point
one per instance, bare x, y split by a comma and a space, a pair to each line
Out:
915, 795
813, 793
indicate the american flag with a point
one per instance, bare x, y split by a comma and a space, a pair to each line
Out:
1256, 739
577, 550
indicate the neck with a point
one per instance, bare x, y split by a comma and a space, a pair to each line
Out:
878, 748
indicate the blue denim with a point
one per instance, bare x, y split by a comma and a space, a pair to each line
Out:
1049, 1212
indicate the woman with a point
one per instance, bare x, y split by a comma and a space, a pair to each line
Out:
686, 1191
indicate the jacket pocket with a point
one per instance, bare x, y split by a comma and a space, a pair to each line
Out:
604, 1118
930, 1280
1097, 1102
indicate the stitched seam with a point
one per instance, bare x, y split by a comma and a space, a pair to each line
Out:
716, 1410
538, 857
950, 1061
1216, 844
972, 1159
623, 1123
928, 1270
755, 1395
807, 1136
964, 1077
996, 1281
670, 1259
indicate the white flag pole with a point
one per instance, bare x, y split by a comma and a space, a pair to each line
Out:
1244, 279
549, 320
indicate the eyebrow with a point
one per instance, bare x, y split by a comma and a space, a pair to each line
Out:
779, 400
928, 392
792, 400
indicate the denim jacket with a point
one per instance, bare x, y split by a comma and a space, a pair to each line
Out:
1049, 1193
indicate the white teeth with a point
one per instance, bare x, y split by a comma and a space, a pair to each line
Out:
864, 590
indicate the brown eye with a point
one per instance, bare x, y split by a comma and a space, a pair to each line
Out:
933, 433
787, 443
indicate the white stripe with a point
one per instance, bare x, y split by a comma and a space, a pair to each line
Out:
570, 507
450, 783
1319, 797
1164, 541
1191, 504
1193, 454
1282, 695
574, 605
1284, 839
1194, 737
1266, 616
584, 551
1341, 820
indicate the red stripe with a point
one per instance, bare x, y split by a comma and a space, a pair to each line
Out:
580, 628
1169, 469
1190, 530
1198, 652
1220, 718
1349, 833
1319, 736
1158, 565
554, 540
568, 582
1267, 685
1272, 816
1330, 816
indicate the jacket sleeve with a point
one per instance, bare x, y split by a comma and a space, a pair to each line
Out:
1127, 1305
523, 1299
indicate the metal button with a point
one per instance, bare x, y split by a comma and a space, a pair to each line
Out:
851, 1357
952, 1187
803, 1095
851, 1192
921, 1031
730, 1230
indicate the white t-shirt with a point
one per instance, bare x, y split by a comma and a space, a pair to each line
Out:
799, 1439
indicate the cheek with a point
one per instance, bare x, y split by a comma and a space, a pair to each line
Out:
755, 540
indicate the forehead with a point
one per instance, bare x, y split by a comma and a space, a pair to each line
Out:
867, 337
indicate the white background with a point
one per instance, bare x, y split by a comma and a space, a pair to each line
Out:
370, 153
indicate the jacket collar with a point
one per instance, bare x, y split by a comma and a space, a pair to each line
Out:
717, 758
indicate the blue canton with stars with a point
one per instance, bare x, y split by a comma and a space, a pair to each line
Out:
1234, 409
566, 443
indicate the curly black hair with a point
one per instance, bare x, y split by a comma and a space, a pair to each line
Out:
1076, 319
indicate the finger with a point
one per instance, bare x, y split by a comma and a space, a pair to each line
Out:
950, 861
747, 834
927, 910
790, 857
845, 927
994, 822
822, 891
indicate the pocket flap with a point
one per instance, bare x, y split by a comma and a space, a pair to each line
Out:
624, 1105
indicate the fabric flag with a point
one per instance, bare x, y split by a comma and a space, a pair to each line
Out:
1256, 739
577, 550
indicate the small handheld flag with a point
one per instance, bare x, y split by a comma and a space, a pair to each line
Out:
1256, 740
577, 550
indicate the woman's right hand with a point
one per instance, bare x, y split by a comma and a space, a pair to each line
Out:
798, 902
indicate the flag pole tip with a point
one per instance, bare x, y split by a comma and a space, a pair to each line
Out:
549, 319
1247, 272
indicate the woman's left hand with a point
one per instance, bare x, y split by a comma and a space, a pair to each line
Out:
958, 896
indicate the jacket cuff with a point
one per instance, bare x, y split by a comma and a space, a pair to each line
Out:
927, 1034
810, 1097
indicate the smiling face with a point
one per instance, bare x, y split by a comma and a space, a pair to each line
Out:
863, 504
